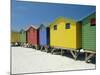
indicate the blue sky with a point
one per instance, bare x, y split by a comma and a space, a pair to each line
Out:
26, 13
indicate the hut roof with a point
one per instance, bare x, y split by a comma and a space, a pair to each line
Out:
22, 30
45, 25
31, 26
61, 19
87, 16
42, 25
14, 31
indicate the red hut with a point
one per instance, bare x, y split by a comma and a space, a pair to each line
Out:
32, 36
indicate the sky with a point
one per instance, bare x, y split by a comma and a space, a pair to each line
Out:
25, 13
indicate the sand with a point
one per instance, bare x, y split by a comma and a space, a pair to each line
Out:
28, 60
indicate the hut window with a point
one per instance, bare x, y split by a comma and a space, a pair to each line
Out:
93, 22
67, 26
55, 27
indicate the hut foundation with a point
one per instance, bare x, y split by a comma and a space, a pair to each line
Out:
89, 55
73, 52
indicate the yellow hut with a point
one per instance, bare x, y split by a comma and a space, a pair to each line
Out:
15, 37
65, 33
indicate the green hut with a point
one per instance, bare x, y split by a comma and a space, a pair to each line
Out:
89, 34
23, 37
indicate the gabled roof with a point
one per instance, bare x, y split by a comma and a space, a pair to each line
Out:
31, 26
42, 25
45, 25
22, 30
87, 16
14, 31
61, 19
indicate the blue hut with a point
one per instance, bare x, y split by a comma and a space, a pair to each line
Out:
44, 35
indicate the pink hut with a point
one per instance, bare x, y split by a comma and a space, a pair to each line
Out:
32, 36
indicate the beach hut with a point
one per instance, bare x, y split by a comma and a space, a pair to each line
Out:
32, 36
44, 35
15, 38
65, 34
23, 37
89, 35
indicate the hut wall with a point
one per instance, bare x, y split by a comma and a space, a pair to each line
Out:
88, 34
62, 37
44, 36
32, 36
48, 36
15, 37
23, 37
79, 35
